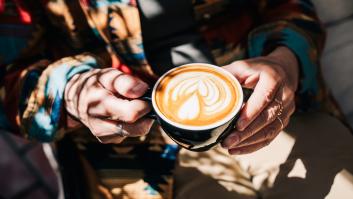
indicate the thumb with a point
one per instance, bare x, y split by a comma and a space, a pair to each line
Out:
129, 86
123, 84
239, 69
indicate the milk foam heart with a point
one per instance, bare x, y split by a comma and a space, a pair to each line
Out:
196, 96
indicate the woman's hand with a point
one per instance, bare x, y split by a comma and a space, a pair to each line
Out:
106, 101
274, 79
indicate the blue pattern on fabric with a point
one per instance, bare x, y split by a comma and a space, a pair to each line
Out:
170, 152
44, 124
150, 190
136, 56
105, 3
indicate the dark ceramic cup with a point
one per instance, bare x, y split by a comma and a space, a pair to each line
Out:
200, 138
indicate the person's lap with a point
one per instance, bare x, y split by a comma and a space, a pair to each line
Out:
311, 158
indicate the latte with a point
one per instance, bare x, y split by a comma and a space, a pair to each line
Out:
196, 95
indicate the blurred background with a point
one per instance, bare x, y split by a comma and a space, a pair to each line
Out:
27, 169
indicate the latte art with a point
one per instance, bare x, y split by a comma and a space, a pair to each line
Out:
196, 96
194, 90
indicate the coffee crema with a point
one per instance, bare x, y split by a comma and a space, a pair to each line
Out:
196, 95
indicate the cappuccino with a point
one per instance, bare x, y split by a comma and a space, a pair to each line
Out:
197, 95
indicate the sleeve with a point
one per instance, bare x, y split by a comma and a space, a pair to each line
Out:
294, 24
31, 86
32, 98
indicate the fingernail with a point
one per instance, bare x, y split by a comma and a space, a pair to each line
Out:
139, 87
230, 141
240, 125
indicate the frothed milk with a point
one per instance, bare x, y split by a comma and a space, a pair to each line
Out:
196, 95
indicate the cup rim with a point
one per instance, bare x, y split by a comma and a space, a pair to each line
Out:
205, 127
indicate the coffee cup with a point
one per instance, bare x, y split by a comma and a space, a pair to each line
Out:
197, 105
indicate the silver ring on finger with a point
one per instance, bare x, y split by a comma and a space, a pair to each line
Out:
121, 133
280, 111
280, 121
280, 104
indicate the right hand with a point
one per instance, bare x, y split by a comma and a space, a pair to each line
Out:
105, 100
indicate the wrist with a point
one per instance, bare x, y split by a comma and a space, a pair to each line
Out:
289, 63
69, 92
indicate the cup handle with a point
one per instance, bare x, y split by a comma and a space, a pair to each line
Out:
148, 98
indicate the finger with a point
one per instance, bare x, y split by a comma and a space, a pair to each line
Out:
121, 83
264, 92
140, 127
258, 130
269, 132
266, 117
111, 139
119, 109
75, 94
239, 69
248, 149
261, 139
105, 130
102, 104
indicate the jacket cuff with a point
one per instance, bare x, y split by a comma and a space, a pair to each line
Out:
266, 37
42, 115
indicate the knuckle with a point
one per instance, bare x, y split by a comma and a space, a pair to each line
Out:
268, 94
106, 102
108, 70
271, 71
272, 112
276, 74
240, 62
125, 83
278, 70
277, 77
95, 71
92, 78
131, 117
90, 73
128, 80
289, 94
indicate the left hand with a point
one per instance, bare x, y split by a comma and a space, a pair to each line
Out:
274, 79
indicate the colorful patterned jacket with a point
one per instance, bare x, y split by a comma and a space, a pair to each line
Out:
44, 43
